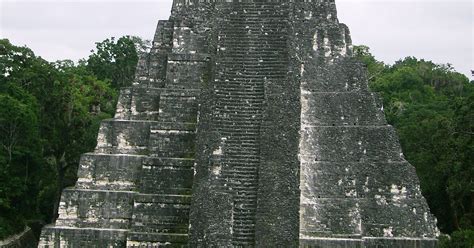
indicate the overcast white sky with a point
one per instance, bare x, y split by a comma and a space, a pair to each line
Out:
437, 30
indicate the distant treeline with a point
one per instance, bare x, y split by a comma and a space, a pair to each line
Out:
50, 114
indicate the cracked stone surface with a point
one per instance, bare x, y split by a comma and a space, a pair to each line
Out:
249, 124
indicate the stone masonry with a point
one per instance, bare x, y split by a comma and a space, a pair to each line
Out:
249, 124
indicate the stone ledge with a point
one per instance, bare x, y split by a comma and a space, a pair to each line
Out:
367, 242
199, 57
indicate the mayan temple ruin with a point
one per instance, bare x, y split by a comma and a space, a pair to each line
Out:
249, 124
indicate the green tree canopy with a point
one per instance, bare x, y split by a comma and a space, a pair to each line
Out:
115, 60
432, 108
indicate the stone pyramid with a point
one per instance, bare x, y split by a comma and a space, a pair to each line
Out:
249, 125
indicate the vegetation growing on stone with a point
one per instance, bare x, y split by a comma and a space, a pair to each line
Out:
431, 106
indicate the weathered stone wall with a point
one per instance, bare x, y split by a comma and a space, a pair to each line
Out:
248, 124
134, 190
357, 190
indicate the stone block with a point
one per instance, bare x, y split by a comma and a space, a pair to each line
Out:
166, 176
343, 75
58, 237
350, 144
179, 106
330, 243
185, 74
349, 108
187, 40
123, 137
330, 217
359, 180
108, 172
95, 209
172, 143
389, 217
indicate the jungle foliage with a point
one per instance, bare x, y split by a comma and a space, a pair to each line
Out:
432, 108
50, 113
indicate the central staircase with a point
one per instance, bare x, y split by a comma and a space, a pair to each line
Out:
251, 52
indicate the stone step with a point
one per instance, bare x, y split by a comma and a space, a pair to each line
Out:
174, 126
232, 48
245, 127
244, 164
140, 103
352, 143
249, 169
257, 16
360, 180
243, 94
248, 222
256, 33
244, 85
108, 172
230, 108
252, 62
256, 59
172, 143
231, 152
342, 108
245, 231
237, 100
243, 124
315, 242
245, 220
244, 149
253, 107
147, 214
252, 52
244, 188
231, 60
249, 189
253, 41
180, 108
246, 178
143, 239
123, 137
229, 118
163, 177
343, 75
241, 136
243, 160
164, 228
244, 204
250, 113
246, 65
163, 198
57, 236
85, 208
245, 76
146, 138
243, 175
